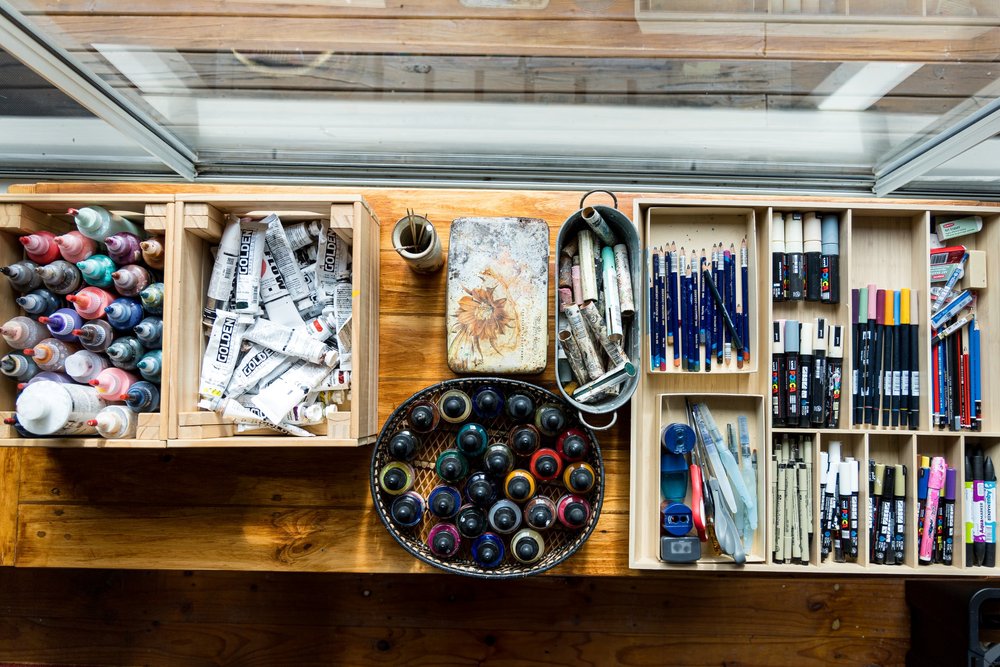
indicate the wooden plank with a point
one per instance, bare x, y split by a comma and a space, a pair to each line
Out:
677, 605
10, 476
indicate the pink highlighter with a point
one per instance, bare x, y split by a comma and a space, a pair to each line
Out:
90, 302
935, 482
75, 247
111, 383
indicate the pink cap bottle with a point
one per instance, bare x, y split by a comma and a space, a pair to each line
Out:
75, 247
111, 383
50, 354
124, 248
22, 332
91, 301
40, 247
131, 279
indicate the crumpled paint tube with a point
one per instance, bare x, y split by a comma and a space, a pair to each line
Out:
221, 353
248, 266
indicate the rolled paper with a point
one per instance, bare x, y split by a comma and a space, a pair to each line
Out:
597, 223
612, 308
591, 360
565, 271
625, 296
588, 266
565, 297
573, 356
577, 284
595, 322
600, 386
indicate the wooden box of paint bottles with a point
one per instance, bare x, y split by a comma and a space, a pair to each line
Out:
341, 229
29, 227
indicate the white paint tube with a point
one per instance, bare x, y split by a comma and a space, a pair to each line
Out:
344, 345
338, 379
333, 399
248, 266
613, 309
253, 367
287, 391
307, 256
284, 262
275, 298
333, 264
306, 414
231, 409
625, 295
221, 353
293, 342
303, 234
588, 265
220, 285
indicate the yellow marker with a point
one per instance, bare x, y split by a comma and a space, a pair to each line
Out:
890, 297
904, 306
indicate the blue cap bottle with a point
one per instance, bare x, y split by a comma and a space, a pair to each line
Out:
407, 509
444, 501
40, 302
124, 313
143, 396
487, 403
471, 440
151, 365
488, 550
150, 332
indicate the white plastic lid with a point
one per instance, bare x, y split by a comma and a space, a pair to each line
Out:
44, 407
812, 233
834, 453
777, 232
793, 233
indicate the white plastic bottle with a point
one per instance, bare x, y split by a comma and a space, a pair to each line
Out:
115, 421
84, 365
99, 223
51, 408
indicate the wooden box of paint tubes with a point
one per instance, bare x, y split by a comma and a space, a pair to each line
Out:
242, 348
71, 307
878, 406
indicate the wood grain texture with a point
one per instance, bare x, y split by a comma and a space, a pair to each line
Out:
10, 476
223, 618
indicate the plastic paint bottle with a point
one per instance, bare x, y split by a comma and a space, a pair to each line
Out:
480, 489
126, 352
488, 550
152, 299
540, 513
527, 546
40, 248
150, 332
487, 403
115, 421
423, 416
142, 397
21, 431
51, 408
451, 466
151, 366
524, 439
23, 275
407, 509
46, 376
84, 365
124, 314
545, 464
471, 440
18, 367
131, 279
91, 302
520, 407
504, 517
444, 540
62, 323
573, 511
50, 354
21, 332
403, 445
579, 477
471, 521
498, 460
454, 406
124, 248
519, 486
573, 445
75, 247
96, 270
153, 252
444, 501
396, 478
60, 276
39, 302
112, 383
95, 335
550, 420
98, 223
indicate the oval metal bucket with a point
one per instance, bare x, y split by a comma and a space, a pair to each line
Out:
626, 233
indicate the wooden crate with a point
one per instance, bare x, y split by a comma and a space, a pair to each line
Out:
24, 214
881, 242
200, 221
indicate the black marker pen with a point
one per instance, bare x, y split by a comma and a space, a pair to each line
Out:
812, 245
830, 266
779, 291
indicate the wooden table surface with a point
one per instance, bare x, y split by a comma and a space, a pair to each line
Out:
306, 510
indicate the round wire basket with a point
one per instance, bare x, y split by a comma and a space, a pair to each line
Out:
560, 542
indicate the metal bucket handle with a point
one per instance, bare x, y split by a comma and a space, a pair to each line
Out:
593, 192
583, 420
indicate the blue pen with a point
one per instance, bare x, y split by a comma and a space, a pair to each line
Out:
653, 314
665, 308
